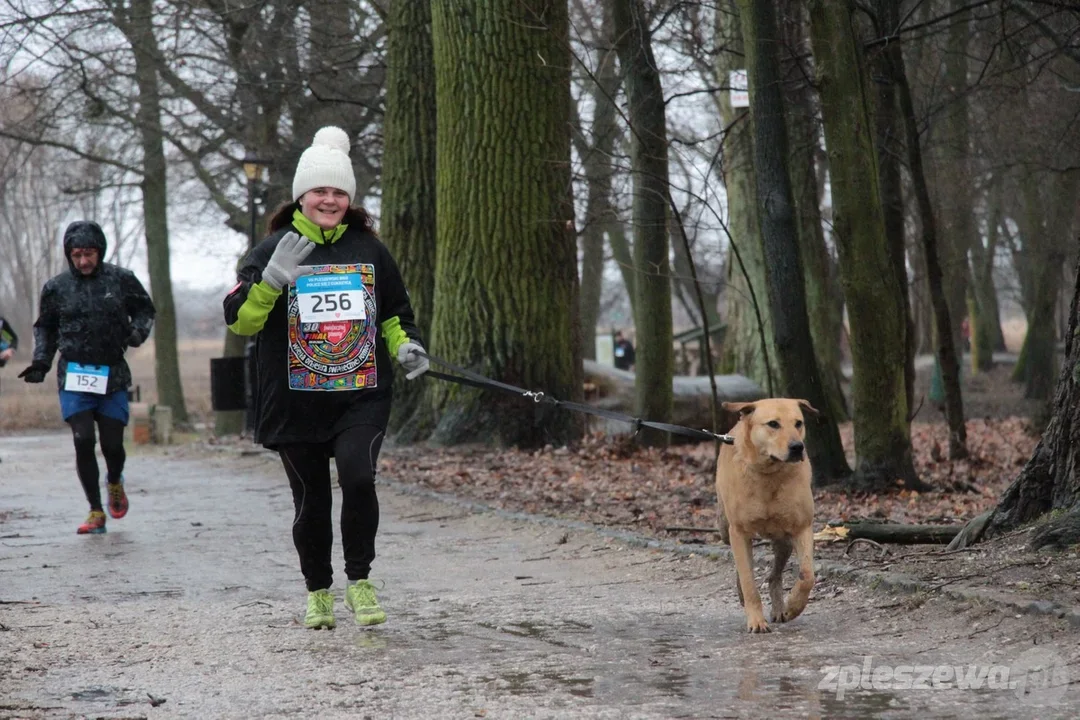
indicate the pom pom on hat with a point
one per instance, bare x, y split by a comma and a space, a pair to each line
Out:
333, 137
325, 164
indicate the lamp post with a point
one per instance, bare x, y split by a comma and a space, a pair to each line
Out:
253, 169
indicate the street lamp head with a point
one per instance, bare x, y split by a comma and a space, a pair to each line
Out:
253, 167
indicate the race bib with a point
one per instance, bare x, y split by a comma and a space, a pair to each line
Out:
333, 349
87, 378
620, 352
331, 297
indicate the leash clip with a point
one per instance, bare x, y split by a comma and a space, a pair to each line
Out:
536, 396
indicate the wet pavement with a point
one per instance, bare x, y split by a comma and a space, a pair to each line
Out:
191, 606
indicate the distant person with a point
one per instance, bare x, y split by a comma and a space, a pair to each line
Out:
9, 341
92, 313
624, 352
328, 308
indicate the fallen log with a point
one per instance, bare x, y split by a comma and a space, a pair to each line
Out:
614, 390
897, 534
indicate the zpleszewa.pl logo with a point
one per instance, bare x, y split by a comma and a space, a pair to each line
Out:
1038, 676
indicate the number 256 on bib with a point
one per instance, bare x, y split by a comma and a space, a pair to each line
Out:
325, 298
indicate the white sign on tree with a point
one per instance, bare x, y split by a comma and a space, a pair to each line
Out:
740, 89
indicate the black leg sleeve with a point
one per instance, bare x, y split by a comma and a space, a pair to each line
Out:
82, 432
112, 446
308, 468
356, 451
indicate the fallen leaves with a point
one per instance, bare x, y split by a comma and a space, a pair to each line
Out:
831, 533
609, 481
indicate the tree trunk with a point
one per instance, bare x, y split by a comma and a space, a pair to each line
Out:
888, 137
984, 311
954, 174
684, 282
592, 274
408, 174
824, 301
871, 289
784, 273
597, 160
506, 291
649, 166
749, 348
140, 33
922, 309
1051, 478
1044, 233
622, 252
947, 354
326, 43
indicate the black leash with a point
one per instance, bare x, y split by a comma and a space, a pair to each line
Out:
468, 377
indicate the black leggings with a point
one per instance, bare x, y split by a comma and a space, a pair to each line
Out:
356, 451
112, 447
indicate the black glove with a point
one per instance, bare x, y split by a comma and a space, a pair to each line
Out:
134, 339
35, 373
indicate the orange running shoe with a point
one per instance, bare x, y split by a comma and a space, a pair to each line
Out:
118, 502
94, 525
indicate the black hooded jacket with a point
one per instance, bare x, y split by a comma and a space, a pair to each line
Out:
90, 318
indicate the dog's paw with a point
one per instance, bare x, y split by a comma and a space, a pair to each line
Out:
778, 616
757, 625
789, 615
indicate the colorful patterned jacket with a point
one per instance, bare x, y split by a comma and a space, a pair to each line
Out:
314, 378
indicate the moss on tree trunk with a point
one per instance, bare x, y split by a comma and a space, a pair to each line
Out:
824, 301
506, 292
408, 174
649, 167
749, 348
889, 131
871, 289
779, 231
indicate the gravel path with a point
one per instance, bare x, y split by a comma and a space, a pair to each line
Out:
190, 607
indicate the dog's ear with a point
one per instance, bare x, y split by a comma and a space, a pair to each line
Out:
807, 408
743, 408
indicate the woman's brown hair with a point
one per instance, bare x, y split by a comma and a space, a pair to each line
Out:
354, 217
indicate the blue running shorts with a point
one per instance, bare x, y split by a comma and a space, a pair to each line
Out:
113, 405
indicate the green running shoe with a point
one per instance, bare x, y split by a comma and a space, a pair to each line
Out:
320, 610
360, 598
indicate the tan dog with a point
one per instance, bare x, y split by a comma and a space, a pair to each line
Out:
763, 487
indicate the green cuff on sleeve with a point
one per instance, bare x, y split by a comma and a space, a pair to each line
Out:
393, 334
256, 308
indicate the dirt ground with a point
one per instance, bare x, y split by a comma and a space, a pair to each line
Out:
190, 607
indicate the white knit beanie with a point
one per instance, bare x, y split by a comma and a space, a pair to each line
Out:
325, 164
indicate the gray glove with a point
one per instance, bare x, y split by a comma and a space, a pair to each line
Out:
416, 365
284, 265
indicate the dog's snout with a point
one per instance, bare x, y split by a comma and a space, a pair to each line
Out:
795, 451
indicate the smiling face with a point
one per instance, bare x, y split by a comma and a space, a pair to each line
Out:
84, 259
325, 206
775, 428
